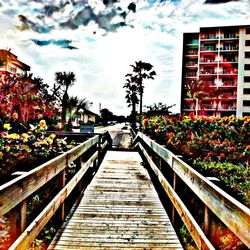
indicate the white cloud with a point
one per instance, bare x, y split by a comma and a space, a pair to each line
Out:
102, 59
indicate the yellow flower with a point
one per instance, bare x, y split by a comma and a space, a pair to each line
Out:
26, 147
25, 137
42, 123
14, 136
52, 136
7, 126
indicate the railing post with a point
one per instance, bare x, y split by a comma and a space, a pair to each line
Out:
173, 208
63, 181
99, 149
174, 187
15, 229
206, 220
80, 162
63, 185
23, 215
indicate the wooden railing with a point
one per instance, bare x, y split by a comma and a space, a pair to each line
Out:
14, 194
216, 202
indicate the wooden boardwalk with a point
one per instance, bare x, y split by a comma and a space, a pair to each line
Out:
120, 209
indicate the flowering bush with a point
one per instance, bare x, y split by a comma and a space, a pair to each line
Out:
32, 147
206, 142
27, 95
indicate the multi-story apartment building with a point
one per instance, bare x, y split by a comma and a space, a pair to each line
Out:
10, 64
216, 71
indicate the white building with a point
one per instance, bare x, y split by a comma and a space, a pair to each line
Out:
216, 71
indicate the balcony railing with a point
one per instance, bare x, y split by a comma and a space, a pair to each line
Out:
191, 52
228, 72
208, 48
207, 72
229, 36
226, 107
191, 74
188, 107
207, 106
191, 63
229, 84
229, 47
193, 42
208, 37
206, 60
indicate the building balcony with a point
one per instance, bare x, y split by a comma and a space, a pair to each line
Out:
193, 42
208, 49
228, 72
188, 108
191, 74
227, 96
226, 107
229, 36
229, 84
191, 52
207, 107
191, 64
229, 48
208, 62
226, 62
205, 37
204, 72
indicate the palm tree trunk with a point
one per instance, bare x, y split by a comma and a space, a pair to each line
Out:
133, 116
141, 94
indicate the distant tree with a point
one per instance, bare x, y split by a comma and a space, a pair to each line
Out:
63, 82
141, 71
106, 116
75, 104
159, 109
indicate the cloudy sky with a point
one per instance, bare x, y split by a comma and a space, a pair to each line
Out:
99, 39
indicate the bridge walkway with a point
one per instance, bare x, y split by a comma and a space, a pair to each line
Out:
120, 209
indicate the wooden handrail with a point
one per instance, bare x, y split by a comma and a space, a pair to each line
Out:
26, 238
28, 183
199, 237
16, 192
232, 213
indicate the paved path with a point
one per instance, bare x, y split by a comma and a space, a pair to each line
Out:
120, 134
120, 209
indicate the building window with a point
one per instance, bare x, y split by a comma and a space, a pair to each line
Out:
246, 78
246, 114
246, 103
247, 30
246, 91
247, 43
247, 67
247, 54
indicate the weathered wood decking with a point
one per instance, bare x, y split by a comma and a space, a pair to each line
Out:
120, 210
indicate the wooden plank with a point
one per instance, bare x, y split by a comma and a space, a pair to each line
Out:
112, 215
25, 239
197, 234
17, 190
232, 213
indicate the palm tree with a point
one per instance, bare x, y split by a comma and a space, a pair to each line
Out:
199, 90
141, 71
132, 98
65, 80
